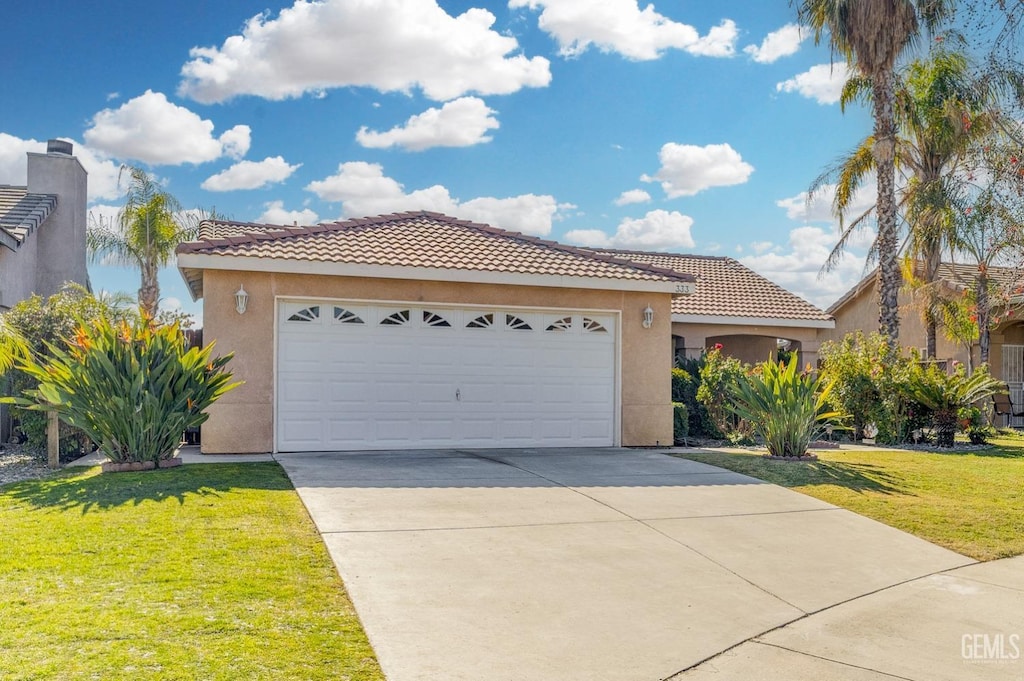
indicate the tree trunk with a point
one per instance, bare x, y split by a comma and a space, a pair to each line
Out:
888, 236
933, 258
981, 297
149, 293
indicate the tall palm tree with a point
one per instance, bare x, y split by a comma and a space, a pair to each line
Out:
940, 111
871, 35
145, 233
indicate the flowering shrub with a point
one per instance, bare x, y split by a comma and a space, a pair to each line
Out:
132, 388
868, 376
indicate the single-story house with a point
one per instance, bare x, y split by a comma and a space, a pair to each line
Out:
858, 310
418, 330
42, 227
750, 316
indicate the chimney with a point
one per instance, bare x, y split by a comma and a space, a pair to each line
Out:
61, 245
59, 147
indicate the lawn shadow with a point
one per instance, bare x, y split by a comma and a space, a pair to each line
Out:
89, 490
859, 477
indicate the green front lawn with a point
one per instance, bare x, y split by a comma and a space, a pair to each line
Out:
199, 572
971, 502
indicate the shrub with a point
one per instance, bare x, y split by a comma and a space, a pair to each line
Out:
868, 376
43, 323
132, 388
972, 421
946, 394
685, 383
788, 409
680, 423
717, 376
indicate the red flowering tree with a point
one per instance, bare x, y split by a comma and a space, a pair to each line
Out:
989, 222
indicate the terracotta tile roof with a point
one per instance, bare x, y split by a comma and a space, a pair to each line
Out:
960, 276
21, 213
726, 288
957, 276
420, 239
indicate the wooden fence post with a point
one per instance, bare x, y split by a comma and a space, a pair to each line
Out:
52, 439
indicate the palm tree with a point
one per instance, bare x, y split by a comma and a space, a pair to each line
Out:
940, 112
871, 35
145, 234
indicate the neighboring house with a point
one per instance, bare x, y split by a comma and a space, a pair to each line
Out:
417, 330
42, 233
42, 227
750, 316
858, 310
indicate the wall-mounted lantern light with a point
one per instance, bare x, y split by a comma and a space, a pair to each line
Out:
241, 300
648, 317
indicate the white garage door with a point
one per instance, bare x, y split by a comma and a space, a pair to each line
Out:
357, 376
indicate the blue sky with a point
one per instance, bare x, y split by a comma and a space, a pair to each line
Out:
684, 126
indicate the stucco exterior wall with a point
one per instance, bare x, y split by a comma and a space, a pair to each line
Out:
17, 273
861, 314
242, 421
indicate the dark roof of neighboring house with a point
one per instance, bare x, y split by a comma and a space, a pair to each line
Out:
957, 276
727, 288
21, 213
417, 240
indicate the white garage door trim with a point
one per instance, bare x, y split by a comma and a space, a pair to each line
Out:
603, 334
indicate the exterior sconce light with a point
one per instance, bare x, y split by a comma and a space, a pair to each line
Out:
648, 317
241, 300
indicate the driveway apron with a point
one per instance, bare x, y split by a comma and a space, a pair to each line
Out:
598, 564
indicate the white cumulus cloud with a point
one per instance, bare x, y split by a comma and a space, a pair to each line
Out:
797, 265
459, 123
687, 169
621, 26
659, 230
778, 44
103, 173
275, 214
363, 189
151, 129
632, 196
388, 45
250, 175
823, 83
819, 209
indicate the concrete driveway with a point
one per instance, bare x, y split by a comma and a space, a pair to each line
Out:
598, 564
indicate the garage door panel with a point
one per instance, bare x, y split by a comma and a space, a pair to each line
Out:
301, 433
505, 382
347, 391
437, 430
478, 428
348, 430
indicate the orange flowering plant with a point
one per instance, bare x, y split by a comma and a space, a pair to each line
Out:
133, 388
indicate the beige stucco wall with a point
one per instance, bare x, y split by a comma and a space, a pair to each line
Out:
861, 314
242, 421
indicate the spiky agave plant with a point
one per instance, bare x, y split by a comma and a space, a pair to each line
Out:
786, 407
